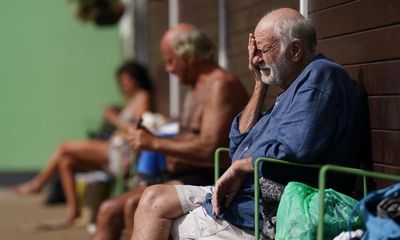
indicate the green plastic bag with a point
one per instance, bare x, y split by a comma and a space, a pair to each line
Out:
297, 215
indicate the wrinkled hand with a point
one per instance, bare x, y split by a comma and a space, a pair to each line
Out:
139, 138
252, 52
227, 187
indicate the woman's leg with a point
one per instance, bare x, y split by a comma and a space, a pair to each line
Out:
78, 156
69, 157
35, 185
66, 171
88, 154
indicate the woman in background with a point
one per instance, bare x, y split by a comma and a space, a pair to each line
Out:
85, 155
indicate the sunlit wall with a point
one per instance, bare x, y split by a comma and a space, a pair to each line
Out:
56, 73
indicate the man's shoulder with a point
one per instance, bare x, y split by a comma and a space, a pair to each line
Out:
326, 76
225, 87
221, 80
221, 76
322, 65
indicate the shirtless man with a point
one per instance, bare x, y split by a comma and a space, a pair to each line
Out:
215, 99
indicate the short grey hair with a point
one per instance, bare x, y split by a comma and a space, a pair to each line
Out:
299, 28
192, 44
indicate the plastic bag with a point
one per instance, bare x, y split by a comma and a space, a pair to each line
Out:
297, 215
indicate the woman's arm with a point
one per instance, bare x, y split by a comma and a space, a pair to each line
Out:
138, 104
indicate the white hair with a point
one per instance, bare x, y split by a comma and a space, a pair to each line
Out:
300, 28
192, 44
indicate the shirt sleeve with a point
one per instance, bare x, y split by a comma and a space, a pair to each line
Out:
235, 136
305, 130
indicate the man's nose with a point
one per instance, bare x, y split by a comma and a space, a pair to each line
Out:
257, 59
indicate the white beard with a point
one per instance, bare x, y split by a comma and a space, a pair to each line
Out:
276, 70
267, 79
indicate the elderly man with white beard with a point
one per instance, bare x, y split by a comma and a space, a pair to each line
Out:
317, 118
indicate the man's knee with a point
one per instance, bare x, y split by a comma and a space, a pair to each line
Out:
131, 205
153, 197
161, 200
109, 210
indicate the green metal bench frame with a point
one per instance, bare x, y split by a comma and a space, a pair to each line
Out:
324, 169
352, 171
217, 154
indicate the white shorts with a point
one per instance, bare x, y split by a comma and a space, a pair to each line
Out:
196, 223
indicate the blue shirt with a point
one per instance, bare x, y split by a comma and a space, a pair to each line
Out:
316, 120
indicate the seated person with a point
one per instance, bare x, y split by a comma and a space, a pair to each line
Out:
216, 97
85, 155
317, 118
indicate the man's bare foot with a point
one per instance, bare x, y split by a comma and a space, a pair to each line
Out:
27, 188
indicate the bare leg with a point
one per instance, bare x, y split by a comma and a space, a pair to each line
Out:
78, 156
130, 208
69, 158
158, 206
35, 185
90, 154
109, 222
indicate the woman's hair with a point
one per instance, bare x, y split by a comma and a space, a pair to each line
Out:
138, 74
101, 12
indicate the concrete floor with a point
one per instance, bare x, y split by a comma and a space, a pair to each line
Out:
19, 218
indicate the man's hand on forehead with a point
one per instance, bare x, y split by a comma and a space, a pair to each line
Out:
253, 54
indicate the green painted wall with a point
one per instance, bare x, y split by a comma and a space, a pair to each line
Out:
56, 73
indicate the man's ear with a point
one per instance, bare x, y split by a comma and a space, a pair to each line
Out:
296, 50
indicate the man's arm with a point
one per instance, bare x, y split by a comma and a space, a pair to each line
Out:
252, 112
230, 183
219, 110
136, 106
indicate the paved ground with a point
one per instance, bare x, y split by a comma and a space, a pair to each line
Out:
19, 216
